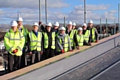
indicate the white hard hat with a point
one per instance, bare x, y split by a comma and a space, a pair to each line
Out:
90, 21
35, 24
70, 23
56, 24
49, 24
19, 19
13, 23
80, 29
84, 24
62, 28
74, 24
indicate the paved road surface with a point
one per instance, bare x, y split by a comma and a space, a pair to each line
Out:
87, 71
111, 74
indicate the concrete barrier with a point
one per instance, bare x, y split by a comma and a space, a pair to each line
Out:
65, 63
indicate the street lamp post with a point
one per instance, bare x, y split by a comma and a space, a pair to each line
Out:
40, 14
118, 17
100, 27
64, 22
46, 10
106, 27
114, 27
84, 11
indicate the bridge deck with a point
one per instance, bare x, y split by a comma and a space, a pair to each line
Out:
51, 60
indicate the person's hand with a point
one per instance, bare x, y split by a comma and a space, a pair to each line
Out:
30, 53
14, 51
41, 52
78, 47
62, 51
70, 50
96, 41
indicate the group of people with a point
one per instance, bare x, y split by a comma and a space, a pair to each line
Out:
46, 43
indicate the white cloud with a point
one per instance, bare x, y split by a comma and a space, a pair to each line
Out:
28, 9
27, 17
1, 12
31, 3
92, 7
57, 16
94, 12
109, 15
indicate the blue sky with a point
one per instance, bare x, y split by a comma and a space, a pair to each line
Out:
58, 9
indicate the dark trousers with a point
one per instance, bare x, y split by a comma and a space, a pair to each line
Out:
58, 53
48, 53
23, 59
35, 57
14, 62
55, 51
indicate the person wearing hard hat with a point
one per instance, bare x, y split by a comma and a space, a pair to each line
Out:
49, 42
71, 33
75, 32
93, 32
74, 27
63, 41
24, 31
35, 44
14, 43
55, 27
86, 34
79, 39
56, 30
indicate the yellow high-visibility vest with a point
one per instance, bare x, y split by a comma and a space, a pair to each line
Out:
65, 43
25, 33
46, 40
80, 39
71, 37
14, 40
93, 34
35, 41
86, 35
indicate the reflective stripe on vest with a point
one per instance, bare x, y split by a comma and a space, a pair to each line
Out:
86, 35
80, 39
64, 43
46, 40
71, 37
35, 41
11, 37
15, 38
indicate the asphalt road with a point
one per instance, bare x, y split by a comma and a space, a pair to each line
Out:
87, 71
111, 74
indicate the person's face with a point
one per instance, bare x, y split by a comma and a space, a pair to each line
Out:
14, 28
19, 23
69, 27
73, 27
55, 27
62, 31
90, 25
80, 32
84, 27
48, 28
35, 28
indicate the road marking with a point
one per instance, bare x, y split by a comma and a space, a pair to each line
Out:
105, 70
